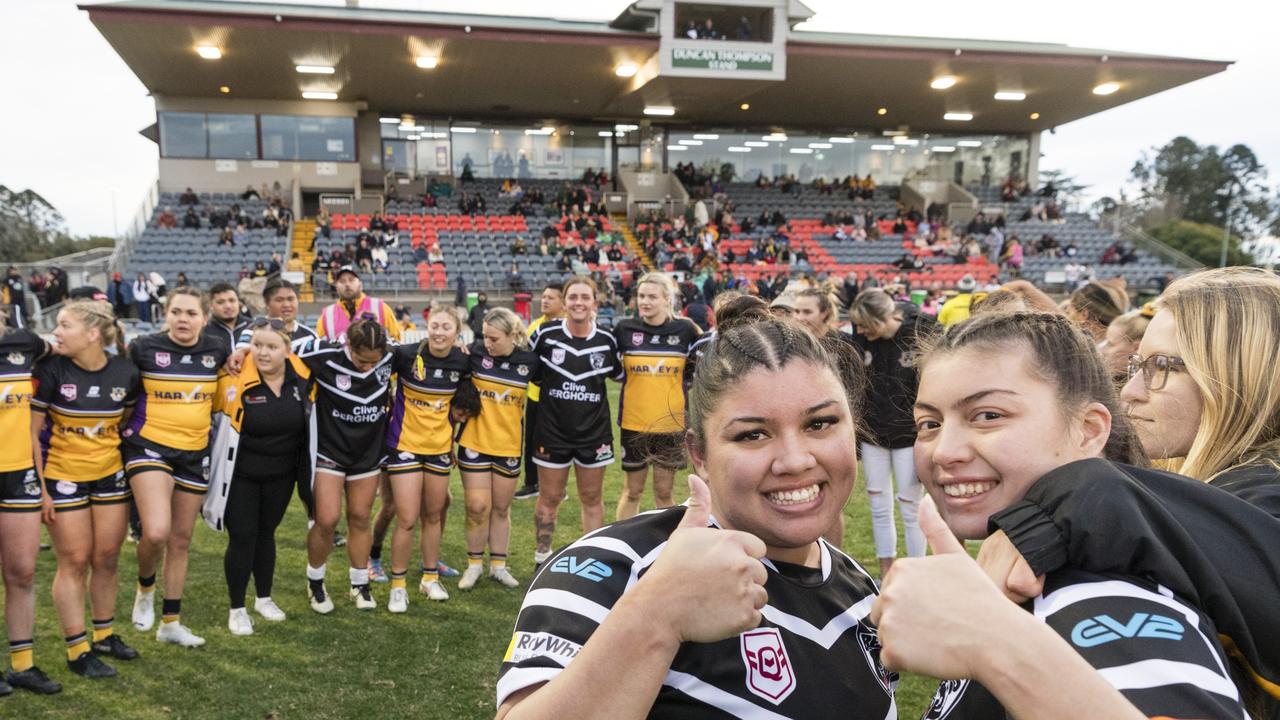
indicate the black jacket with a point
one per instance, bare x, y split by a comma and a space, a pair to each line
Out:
1216, 544
892, 379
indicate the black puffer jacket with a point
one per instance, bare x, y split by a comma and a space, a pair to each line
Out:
892, 379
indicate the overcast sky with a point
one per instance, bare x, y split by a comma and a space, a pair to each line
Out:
70, 130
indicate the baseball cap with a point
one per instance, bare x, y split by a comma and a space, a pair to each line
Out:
786, 301
352, 270
967, 284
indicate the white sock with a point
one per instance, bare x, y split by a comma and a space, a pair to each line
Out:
359, 576
315, 573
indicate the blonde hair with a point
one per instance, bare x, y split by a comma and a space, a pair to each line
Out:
98, 314
826, 303
872, 305
1097, 303
663, 281
1227, 325
1133, 324
505, 321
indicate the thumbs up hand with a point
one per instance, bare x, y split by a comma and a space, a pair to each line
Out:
936, 615
708, 583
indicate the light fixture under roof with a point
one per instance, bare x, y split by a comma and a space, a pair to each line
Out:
462, 129
319, 95
943, 82
314, 69
623, 127
677, 148
689, 142
739, 148
209, 52
943, 148
706, 136
970, 143
605, 133
427, 62
756, 143
820, 146
1010, 95
801, 151
1106, 88
664, 110
882, 147
840, 140
775, 137
626, 69
539, 131
882, 111
1034, 116
224, 89
435, 135
903, 140
744, 106
389, 121
413, 137
410, 127
958, 116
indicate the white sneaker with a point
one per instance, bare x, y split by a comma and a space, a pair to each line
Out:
399, 601
504, 576
239, 622
433, 590
363, 597
178, 634
540, 557
321, 602
268, 609
470, 577
144, 610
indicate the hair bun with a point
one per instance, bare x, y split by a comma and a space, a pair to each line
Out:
742, 310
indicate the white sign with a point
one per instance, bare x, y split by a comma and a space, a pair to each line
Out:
227, 166
334, 146
326, 168
266, 163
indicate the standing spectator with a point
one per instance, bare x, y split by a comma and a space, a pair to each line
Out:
189, 198
120, 295
475, 318
351, 305
225, 317
143, 289
15, 296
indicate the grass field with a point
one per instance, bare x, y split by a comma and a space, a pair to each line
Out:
439, 660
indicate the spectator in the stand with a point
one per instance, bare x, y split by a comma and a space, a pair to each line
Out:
1111, 256
744, 29
434, 256
957, 308
167, 219
189, 198
120, 295
191, 220
226, 237
1012, 257
182, 280
1071, 250
475, 317
691, 30
142, 292
1048, 245
364, 256
519, 246
239, 235
273, 268
515, 278
909, 261
379, 258
324, 224
296, 265
259, 269
249, 192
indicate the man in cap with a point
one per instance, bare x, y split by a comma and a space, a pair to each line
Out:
351, 305
957, 308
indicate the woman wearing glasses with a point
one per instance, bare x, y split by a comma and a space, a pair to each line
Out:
1203, 398
261, 446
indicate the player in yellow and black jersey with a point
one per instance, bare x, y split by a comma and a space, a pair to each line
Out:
655, 357
83, 397
420, 448
489, 449
166, 452
21, 502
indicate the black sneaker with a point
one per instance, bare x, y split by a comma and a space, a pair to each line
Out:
88, 665
527, 491
5, 688
34, 679
339, 540
116, 648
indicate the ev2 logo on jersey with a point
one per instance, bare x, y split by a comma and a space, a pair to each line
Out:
1102, 629
591, 569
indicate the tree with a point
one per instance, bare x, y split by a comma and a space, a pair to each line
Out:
1067, 190
1202, 184
31, 228
1203, 242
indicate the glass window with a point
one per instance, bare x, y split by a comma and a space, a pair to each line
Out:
183, 135
233, 136
298, 137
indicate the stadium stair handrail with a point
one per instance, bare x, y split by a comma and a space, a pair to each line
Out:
1141, 239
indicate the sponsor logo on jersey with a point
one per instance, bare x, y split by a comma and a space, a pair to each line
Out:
208, 361
16, 358
68, 392
657, 339
604, 452
94, 391
151, 453
117, 394
637, 338
597, 361
557, 355
446, 458
512, 462
118, 482
486, 363
589, 569
438, 373
163, 359
1102, 629
505, 366
186, 360
527, 645
769, 672
522, 370
254, 400
343, 382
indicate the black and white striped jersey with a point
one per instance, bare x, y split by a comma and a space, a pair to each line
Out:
1159, 652
350, 406
298, 336
815, 655
575, 403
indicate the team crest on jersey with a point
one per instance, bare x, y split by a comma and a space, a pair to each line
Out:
870, 644
471, 454
406, 455
505, 366
597, 361
769, 672
512, 462
68, 392
637, 338
117, 394
604, 451
557, 355
522, 370
673, 339
16, 358
453, 376
945, 699
486, 363
208, 361
383, 373
163, 359
344, 382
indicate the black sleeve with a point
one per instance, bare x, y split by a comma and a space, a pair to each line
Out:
1204, 544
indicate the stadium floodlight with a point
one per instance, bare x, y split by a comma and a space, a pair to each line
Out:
389, 121
626, 69
664, 110
319, 95
882, 147
801, 151
943, 82
706, 136
315, 69
958, 116
739, 148
1010, 95
465, 130
943, 148
1106, 88
427, 62
689, 142
840, 140
970, 143
209, 52
820, 146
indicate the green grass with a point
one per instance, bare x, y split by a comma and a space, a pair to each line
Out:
439, 660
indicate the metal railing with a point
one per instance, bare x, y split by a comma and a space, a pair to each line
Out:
1141, 239
127, 240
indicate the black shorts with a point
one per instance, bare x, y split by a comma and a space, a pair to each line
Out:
404, 462
359, 471
641, 449
474, 461
189, 468
110, 490
20, 491
586, 457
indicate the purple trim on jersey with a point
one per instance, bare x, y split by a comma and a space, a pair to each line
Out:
395, 419
139, 417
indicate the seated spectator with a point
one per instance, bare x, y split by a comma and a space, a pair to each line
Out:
259, 269
691, 30
364, 256
1111, 256
899, 225
226, 238
296, 264
519, 246
189, 198
1047, 245
515, 278
376, 223
1011, 258
167, 219
1128, 255
378, 255
909, 261
249, 193
1071, 250
273, 268
434, 256
191, 220
420, 255
240, 234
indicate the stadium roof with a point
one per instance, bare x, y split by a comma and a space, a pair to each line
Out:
526, 69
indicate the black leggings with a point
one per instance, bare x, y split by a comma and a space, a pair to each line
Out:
255, 508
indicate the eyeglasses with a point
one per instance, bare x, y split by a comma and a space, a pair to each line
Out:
1155, 369
273, 323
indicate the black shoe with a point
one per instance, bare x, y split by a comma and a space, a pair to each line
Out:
5, 688
527, 491
34, 679
339, 540
88, 665
116, 648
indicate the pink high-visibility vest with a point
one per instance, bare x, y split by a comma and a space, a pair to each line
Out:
336, 319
